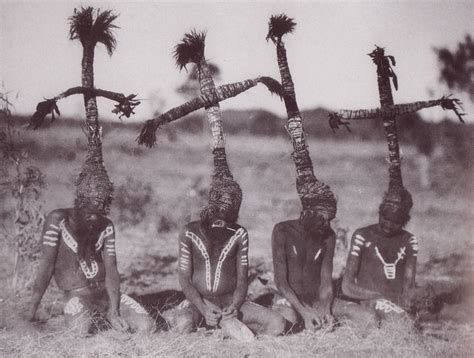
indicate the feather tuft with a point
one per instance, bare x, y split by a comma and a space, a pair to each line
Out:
454, 105
190, 49
42, 110
147, 134
273, 86
336, 121
279, 25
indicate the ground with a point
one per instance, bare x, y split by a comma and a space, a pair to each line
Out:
159, 190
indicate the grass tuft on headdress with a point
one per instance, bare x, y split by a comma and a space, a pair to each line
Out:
454, 105
273, 86
147, 134
91, 26
190, 49
279, 25
42, 110
383, 64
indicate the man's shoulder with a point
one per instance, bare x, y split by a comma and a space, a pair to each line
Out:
288, 225
59, 214
366, 230
406, 235
192, 226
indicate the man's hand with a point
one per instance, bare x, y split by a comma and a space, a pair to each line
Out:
229, 312
211, 313
117, 322
315, 319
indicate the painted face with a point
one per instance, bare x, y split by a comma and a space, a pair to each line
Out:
389, 227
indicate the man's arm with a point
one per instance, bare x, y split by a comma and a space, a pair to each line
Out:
185, 272
410, 272
349, 285
242, 262
325, 289
49, 250
112, 279
280, 269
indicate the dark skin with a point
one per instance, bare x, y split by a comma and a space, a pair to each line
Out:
218, 288
302, 261
60, 261
364, 278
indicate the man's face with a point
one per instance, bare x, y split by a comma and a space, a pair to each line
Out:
389, 227
89, 219
313, 221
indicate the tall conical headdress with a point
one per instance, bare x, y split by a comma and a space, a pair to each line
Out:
225, 194
397, 201
94, 190
314, 194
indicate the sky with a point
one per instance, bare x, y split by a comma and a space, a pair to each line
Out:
327, 53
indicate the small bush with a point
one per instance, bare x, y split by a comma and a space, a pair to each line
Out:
132, 200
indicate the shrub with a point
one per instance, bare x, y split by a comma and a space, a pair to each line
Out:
23, 185
132, 200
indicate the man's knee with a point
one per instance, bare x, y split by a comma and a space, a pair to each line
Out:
77, 317
180, 321
277, 324
144, 324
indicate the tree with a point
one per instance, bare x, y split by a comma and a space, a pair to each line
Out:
457, 68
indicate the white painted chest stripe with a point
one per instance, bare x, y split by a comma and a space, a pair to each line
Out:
72, 244
317, 255
294, 250
240, 233
199, 244
390, 269
67, 237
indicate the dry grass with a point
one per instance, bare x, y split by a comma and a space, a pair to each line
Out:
178, 171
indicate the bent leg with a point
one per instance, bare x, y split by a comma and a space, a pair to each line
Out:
78, 315
389, 311
183, 319
349, 312
262, 320
135, 315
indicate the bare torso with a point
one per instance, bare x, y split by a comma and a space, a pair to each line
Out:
382, 260
214, 262
304, 256
71, 272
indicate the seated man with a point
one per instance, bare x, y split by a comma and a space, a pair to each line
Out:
381, 266
303, 251
213, 265
78, 248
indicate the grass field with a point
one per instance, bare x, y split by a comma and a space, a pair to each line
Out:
159, 190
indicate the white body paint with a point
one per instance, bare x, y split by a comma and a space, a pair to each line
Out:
240, 233
387, 306
317, 255
73, 306
390, 269
414, 245
358, 243
134, 305
73, 245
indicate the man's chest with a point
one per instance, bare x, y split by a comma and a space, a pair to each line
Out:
383, 257
213, 251
304, 252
